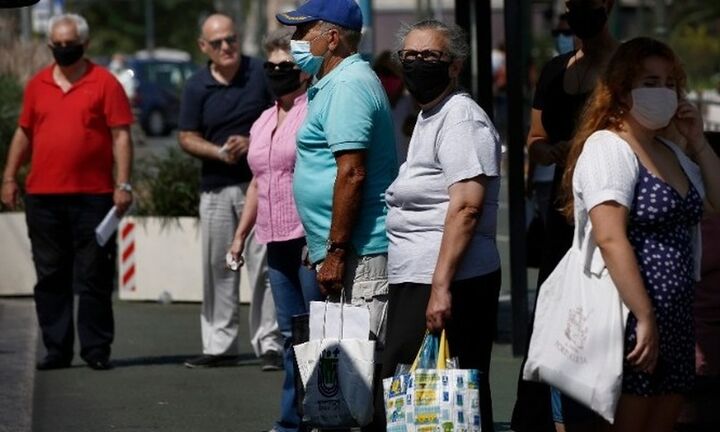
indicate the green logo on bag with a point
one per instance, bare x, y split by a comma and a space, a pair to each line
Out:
327, 375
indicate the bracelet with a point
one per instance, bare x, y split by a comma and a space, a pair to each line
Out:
9, 180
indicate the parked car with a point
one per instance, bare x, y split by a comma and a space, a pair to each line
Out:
157, 81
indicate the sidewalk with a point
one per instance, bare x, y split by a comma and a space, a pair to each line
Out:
150, 390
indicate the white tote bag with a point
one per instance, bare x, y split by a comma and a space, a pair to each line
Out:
577, 343
337, 374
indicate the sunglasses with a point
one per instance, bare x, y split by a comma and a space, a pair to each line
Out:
283, 66
564, 32
216, 44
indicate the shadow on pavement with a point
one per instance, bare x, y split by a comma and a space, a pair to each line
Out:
241, 360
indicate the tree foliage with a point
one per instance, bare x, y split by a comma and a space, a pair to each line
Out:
699, 49
119, 25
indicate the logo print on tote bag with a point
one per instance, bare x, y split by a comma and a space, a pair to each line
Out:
576, 331
328, 377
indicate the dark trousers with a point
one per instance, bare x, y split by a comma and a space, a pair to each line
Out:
68, 259
470, 332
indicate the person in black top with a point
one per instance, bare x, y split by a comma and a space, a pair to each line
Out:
219, 105
565, 83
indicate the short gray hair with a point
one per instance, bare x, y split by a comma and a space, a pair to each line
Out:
278, 40
455, 36
351, 37
81, 25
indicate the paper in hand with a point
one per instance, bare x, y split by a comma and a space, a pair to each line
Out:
107, 227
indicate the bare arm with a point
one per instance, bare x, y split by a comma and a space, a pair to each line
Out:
195, 145
123, 152
234, 147
709, 164
18, 155
347, 196
247, 220
689, 123
609, 221
464, 210
540, 149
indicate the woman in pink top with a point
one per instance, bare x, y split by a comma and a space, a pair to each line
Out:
270, 206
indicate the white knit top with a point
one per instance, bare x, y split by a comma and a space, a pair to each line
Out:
607, 170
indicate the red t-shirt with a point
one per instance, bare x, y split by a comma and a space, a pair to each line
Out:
70, 137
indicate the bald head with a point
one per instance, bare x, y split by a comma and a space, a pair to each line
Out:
219, 41
216, 22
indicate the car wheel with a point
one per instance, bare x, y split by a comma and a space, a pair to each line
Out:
156, 123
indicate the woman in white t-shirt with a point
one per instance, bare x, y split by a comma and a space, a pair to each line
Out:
644, 197
443, 263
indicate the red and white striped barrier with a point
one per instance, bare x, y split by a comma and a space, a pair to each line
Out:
127, 256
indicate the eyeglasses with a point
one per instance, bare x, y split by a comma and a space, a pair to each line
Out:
283, 66
216, 44
564, 32
430, 56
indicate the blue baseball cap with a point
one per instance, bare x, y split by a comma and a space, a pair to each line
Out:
345, 13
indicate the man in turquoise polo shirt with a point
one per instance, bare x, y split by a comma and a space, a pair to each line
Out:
346, 156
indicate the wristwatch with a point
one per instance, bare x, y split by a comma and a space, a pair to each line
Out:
127, 187
333, 246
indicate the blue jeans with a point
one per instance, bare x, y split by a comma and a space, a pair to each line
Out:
293, 287
566, 410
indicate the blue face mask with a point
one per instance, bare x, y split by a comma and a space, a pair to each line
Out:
307, 61
564, 43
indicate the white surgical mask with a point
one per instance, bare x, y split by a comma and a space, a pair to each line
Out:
653, 107
306, 61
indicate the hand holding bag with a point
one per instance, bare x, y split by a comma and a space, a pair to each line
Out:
578, 337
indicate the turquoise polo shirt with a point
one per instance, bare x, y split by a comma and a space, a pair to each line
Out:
347, 110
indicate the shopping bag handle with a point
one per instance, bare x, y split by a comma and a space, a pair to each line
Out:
342, 309
442, 350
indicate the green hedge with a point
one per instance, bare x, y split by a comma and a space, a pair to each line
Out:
167, 186
10, 102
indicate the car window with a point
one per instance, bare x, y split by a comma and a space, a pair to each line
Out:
169, 76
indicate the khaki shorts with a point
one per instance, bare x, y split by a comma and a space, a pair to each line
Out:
366, 284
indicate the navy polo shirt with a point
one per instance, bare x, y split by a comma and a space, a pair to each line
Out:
217, 111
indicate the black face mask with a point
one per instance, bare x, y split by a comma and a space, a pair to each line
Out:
283, 82
67, 55
425, 80
587, 22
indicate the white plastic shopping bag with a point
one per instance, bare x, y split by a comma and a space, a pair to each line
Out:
337, 373
577, 343
325, 321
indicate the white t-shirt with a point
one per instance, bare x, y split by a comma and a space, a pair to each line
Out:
452, 142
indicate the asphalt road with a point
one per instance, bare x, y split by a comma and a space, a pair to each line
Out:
149, 389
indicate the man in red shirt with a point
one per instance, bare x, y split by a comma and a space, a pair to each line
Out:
73, 127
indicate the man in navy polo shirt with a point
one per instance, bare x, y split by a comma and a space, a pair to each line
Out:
219, 105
